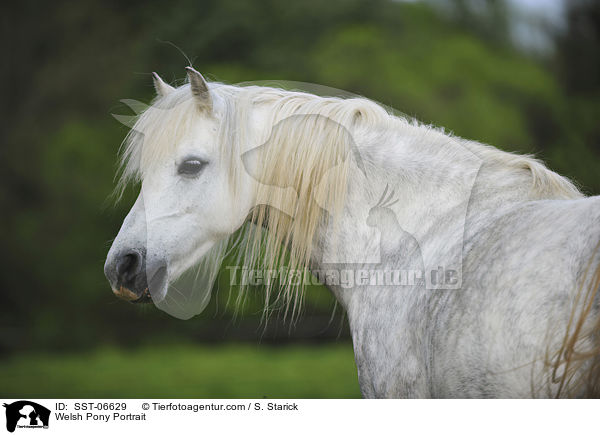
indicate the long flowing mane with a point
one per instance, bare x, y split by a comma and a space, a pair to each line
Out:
316, 146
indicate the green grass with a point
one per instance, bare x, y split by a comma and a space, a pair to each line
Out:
185, 371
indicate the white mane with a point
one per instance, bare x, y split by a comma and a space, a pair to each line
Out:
170, 117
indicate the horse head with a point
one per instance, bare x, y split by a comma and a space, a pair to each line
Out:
186, 205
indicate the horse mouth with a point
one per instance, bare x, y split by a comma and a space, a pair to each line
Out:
145, 298
129, 296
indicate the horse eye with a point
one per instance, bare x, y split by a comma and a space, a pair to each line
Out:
191, 167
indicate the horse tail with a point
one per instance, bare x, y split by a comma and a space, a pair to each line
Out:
575, 367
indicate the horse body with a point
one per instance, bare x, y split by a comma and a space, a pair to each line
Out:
524, 255
521, 243
489, 338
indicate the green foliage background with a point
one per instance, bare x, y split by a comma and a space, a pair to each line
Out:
65, 68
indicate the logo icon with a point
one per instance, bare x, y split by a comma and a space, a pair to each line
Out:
26, 414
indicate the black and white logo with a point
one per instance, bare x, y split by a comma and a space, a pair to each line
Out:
24, 414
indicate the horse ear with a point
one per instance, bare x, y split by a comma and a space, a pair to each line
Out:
199, 89
161, 87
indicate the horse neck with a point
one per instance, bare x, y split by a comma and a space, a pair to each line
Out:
432, 183
433, 178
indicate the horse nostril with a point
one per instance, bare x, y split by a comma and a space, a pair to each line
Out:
128, 266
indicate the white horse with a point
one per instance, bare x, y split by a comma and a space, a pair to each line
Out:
474, 271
